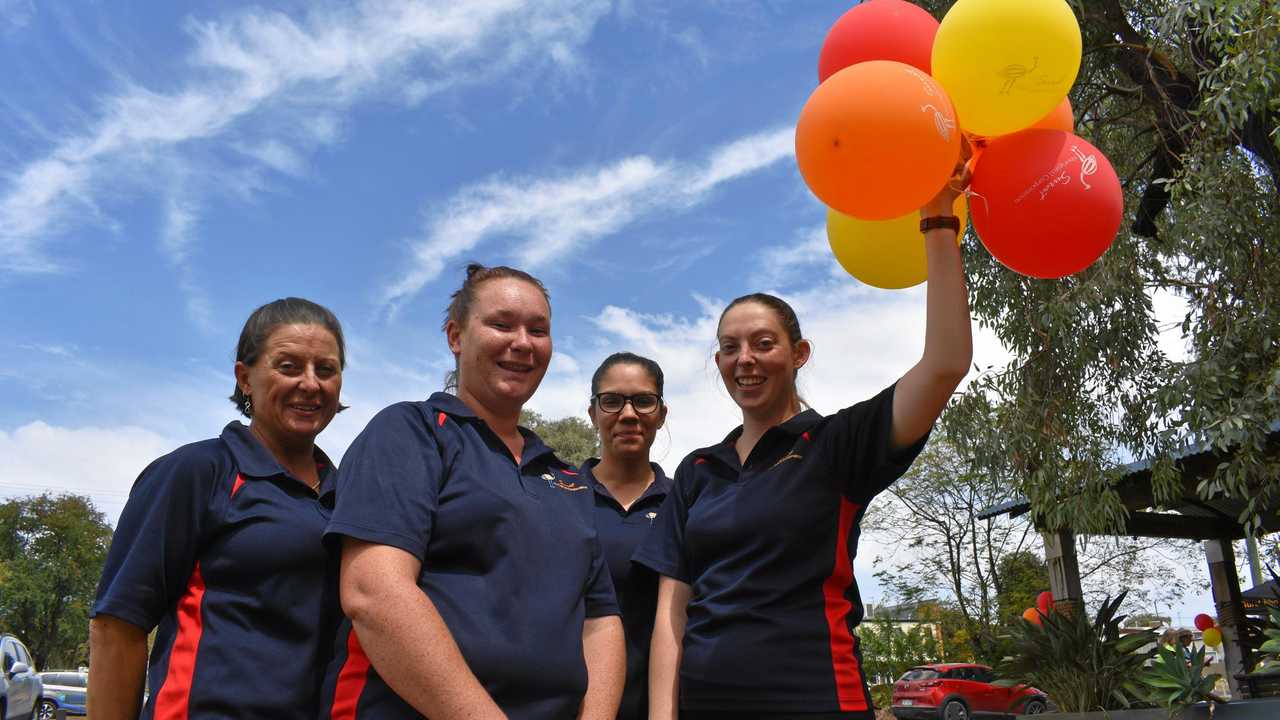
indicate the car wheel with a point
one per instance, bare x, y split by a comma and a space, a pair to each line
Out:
46, 710
1034, 706
954, 710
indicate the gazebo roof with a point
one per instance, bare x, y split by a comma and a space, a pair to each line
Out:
1209, 519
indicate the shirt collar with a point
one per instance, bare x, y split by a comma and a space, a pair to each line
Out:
254, 460
453, 406
796, 426
660, 487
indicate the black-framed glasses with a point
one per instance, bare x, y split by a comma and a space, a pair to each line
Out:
642, 403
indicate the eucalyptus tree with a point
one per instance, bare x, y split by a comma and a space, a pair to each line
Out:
1183, 96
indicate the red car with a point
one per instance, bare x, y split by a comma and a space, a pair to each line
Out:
959, 691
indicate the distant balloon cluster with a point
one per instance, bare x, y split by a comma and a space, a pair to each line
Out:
899, 94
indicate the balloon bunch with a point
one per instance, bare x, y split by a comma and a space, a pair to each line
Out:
900, 92
1044, 606
1209, 631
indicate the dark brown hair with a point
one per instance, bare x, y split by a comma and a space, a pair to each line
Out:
461, 300
786, 317
285, 311
626, 358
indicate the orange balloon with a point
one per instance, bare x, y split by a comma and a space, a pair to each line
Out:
1059, 118
1032, 616
877, 140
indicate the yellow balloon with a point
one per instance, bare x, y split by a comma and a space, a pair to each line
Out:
887, 254
1212, 637
1006, 63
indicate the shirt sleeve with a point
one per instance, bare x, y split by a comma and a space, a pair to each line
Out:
600, 597
859, 444
663, 549
158, 538
389, 482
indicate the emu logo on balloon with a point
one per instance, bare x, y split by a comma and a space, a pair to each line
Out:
1088, 166
1014, 72
944, 124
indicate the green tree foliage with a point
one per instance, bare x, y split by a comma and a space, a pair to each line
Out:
1183, 97
889, 649
1024, 576
573, 438
982, 574
51, 555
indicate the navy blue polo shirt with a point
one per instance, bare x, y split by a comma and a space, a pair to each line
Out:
767, 549
621, 532
509, 554
221, 548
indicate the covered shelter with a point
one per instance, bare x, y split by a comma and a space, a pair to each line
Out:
1189, 517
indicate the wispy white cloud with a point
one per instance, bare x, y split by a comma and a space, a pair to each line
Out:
553, 217
177, 237
282, 73
808, 252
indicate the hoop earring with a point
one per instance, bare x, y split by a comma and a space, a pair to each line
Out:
248, 406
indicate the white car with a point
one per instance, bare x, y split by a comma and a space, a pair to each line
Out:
20, 687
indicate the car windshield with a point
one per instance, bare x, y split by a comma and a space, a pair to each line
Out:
920, 674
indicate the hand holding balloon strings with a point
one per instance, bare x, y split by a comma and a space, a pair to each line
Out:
958, 184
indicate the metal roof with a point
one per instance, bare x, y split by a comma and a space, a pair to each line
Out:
1215, 518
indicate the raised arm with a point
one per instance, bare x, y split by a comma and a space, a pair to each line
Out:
605, 650
404, 636
923, 392
665, 648
119, 669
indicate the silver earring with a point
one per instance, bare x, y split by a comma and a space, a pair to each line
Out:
248, 406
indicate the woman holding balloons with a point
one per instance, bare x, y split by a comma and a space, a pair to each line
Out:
757, 602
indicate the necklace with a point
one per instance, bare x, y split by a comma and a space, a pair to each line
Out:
315, 487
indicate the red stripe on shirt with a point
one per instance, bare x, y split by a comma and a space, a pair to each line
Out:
569, 472
351, 679
239, 483
844, 664
440, 419
699, 461
175, 693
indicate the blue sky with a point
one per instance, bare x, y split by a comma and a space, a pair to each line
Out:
167, 167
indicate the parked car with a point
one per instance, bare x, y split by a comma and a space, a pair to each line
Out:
959, 691
19, 684
63, 689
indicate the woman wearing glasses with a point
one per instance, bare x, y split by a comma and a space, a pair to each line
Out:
627, 410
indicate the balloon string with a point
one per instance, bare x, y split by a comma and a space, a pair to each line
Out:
969, 193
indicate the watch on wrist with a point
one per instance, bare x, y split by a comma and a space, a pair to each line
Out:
938, 222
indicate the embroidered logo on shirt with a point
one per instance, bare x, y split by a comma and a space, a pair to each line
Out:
784, 458
651, 515
569, 486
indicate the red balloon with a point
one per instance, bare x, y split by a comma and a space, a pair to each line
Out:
1204, 622
1044, 602
879, 30
1045, 202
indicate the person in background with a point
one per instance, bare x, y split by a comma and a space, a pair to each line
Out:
219, 546
627, 410
757, 602
472, 579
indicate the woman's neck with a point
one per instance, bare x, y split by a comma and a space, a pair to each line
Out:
626, 477
298, 459
503, 423
756, 424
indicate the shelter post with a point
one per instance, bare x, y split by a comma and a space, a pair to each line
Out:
1230, 610
1064, 571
